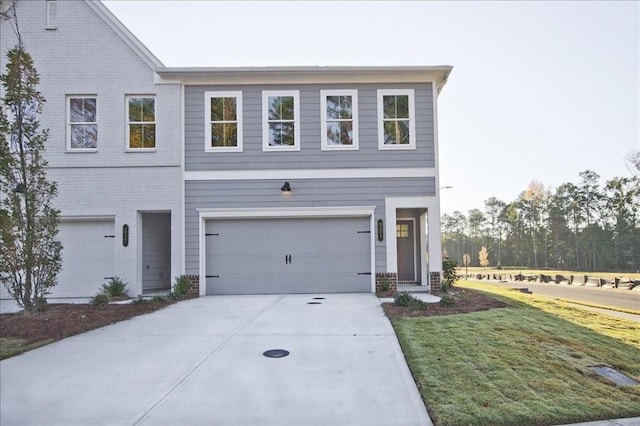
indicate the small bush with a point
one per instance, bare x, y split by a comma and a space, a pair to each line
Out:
403, 299
160, 299
181, 287
115, 287
447, 301
41, 304
385, 284
100, 300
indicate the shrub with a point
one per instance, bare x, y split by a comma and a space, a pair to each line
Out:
100, 300
115, 287
403, 299
447, 301
160, 299
181, 287
385, 283
41, 304
449, 272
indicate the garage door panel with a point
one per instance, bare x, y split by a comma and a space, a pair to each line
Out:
250, 256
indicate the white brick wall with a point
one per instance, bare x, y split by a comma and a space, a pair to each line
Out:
85, 56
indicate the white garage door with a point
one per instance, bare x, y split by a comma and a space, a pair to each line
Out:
87, 257
270, 256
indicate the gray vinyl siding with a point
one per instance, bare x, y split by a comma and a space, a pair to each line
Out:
310, 155
305, 193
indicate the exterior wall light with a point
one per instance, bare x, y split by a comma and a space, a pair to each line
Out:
286, 187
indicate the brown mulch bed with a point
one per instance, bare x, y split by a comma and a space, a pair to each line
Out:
64, 320
466, 301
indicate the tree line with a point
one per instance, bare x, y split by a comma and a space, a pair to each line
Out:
583, 225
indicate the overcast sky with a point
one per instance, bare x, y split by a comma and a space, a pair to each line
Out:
539, 90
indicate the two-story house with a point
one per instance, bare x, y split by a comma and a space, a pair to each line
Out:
113, 147
248, 180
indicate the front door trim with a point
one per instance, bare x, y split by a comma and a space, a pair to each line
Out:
413, 246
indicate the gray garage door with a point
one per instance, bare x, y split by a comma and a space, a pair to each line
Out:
267, 256
87, 257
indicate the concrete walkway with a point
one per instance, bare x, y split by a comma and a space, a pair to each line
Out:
200, 362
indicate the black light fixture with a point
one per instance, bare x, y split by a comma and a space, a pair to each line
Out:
286, 187
19, 189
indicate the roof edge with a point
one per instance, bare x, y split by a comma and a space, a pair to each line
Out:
127, 36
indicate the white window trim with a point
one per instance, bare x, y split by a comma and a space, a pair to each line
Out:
354, 119
69, 123
412, 118
207, 121
296, 120
51, 15
128, 123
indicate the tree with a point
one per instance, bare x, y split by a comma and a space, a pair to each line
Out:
483, 257
495, 213
29, 249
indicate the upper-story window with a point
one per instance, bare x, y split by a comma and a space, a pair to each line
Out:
396, 119
339, 114
223, 121
141, 122
281, 120
51, 14
82, 124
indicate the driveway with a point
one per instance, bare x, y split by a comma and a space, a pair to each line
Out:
200, 362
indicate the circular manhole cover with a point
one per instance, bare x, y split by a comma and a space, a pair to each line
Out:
276, 353
314, 303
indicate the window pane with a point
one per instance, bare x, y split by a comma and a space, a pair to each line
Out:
346, 133
333, 107
345, 107
389, 106
281, 134
390, 134
224, 135
217, 108
333, 133
288, 136
229, 112
135, 136
135, 109
90, 136
275, 108
287, 107
75, 113
403, 132
149, 136
77, 136
402, 106
89, 110
148, 109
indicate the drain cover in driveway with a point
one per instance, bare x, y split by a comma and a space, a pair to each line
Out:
276, 353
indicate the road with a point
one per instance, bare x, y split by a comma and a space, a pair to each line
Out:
623, 299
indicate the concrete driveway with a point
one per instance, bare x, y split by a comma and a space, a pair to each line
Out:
200, 362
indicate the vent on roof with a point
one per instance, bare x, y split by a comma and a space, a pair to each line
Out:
52, 14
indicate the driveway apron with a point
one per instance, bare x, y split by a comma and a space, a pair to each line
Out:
200, 362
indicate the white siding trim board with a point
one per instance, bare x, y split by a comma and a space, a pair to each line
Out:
346, 173
278, 212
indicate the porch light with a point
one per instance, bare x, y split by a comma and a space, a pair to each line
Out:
286, 187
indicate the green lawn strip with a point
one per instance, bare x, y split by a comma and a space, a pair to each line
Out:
516, 365
595, 305
618, 328
10, 346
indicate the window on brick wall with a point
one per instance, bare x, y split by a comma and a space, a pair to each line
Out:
141, 122
82, 123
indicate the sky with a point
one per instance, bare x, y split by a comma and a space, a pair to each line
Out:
539, 90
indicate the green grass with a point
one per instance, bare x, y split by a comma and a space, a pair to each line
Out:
10, 346
552, 272
525, 365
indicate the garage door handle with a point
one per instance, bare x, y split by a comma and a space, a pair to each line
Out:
364, 273
212, 276
287, 259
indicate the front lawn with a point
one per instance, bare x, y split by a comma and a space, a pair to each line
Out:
525, 364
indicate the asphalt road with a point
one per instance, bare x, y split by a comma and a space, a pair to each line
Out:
624, 299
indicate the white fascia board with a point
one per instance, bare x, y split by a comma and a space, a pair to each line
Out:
370, 173
123, 32
304, 75
282, 212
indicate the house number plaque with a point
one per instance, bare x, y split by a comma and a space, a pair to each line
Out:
125, 235
380, 230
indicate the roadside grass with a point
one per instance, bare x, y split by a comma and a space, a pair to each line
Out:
10, 346
525, 271
525, 364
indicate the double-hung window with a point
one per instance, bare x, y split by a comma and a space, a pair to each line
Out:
82, 124
396, 119
281, 120
223, 121
339, 115
141, 122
